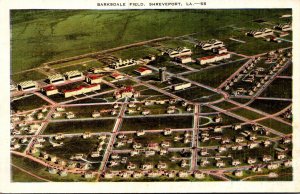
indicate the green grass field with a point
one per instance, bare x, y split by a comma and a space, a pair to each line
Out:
27, 103
215, 76
80, 126
269, 106
43, 35
133, 124
279, 88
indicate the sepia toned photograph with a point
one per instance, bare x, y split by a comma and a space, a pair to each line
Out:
151, 95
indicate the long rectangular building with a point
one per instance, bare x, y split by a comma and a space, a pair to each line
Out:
71, 75
212, 59
27, 85
55, 79
81, 90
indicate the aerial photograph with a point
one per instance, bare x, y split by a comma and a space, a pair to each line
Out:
151, 95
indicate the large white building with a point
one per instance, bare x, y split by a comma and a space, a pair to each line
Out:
260, 32
181, 86
212, 59
210, 44
56, 79
284, 27
71, 75
81, 90
177, 52
27, 85
123, 63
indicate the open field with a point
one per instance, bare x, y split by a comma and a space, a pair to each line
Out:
280, 88
247, 113
269, 106
80, 126
215, 76
27, 103
37, 34
20, 176
277, 125
133, 124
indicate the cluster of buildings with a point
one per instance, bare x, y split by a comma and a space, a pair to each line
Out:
217, 47
284, 27
178, 52
210, 44
152, 174
123, 63
126, 92
260, 32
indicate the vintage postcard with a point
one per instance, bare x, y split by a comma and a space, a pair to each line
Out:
177, 95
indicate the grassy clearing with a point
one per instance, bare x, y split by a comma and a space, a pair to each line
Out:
269, 106
132, 124
247, 113
80, 126
20, 176
279, 88
27, 103
30, 75
225, 105
136, 52
37, 35
277, 125
215, 76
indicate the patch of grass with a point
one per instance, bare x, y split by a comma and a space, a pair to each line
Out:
269, 106
247, 113
215, 76
37, 35
132, 124
20, 176
80, 126
279, 88
277, 125
30, 75
27, 103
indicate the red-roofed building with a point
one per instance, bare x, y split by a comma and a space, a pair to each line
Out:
117, 76
93, 79
81, 90
143, 71
126, 92
50, 90
211, 59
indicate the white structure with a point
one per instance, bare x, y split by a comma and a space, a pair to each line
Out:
27, 85
177, 52
122, 63
212, 59
210, 44
260, 32
72, 75
143, 71
56, 79
181, 86
284, 27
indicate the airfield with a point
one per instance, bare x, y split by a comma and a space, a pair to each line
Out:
159, 114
